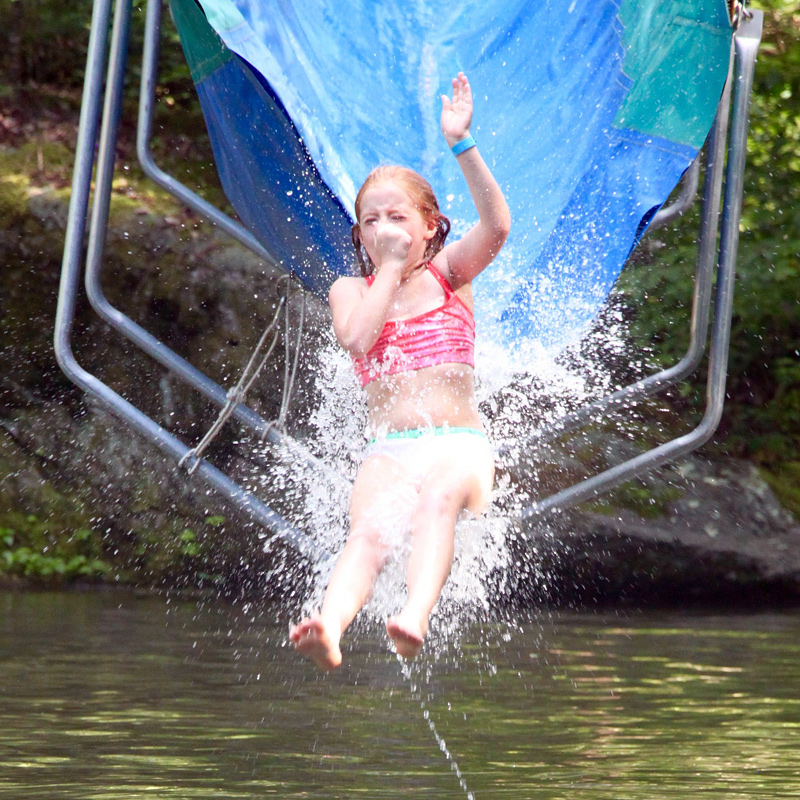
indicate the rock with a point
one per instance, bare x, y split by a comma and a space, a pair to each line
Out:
723, 539
67, 465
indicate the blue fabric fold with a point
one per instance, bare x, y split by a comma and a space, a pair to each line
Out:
321, 92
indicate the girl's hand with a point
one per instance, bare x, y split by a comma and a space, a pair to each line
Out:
392, 244
457, 113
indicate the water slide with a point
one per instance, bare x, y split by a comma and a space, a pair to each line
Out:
594, 112
588, 111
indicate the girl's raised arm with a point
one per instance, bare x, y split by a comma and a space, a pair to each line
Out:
467, 257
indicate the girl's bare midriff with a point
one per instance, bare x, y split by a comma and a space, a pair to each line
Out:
431, 397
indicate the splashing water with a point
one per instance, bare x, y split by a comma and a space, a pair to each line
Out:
515, 406
407, 672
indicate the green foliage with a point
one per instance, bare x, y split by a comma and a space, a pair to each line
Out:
176, 553
29, 551
24, 561
43, 49
784, 479
46, 42
189, 545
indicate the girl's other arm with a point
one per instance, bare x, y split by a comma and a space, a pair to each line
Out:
360, 312
467, 257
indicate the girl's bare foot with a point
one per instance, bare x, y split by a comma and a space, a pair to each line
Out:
311, 638
407, 635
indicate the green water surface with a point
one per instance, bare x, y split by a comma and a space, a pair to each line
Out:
114, 696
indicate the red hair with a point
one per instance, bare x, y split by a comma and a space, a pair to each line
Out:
424, 200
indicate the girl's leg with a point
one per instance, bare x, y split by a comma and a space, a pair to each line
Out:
378, 487
449, 489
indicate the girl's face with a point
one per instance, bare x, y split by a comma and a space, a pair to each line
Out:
388, 203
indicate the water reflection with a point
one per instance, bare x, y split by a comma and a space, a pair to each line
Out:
112, 696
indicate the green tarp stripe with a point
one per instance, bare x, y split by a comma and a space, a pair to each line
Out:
222, 15
662, 102
204, 50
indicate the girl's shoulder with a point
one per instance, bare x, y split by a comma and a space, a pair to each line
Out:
350, 283
441, 264
344, 280
347, 287
462, 290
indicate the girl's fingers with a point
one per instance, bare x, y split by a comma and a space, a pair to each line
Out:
466, 91
461, 103
461, 89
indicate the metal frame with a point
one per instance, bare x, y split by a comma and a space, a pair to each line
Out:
745, 46
683, 201
100, 208
70, 275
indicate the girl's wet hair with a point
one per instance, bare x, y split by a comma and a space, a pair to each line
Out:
421, 194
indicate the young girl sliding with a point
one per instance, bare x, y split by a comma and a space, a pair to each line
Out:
408, 325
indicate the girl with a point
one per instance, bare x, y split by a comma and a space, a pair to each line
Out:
408, 325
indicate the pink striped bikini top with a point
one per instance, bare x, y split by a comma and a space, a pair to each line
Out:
443, 335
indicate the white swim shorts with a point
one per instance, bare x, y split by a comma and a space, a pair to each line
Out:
422, 450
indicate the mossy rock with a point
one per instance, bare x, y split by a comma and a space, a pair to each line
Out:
13, 199
784, 480
648, 500
37, 156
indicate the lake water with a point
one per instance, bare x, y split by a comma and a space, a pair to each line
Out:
110, 695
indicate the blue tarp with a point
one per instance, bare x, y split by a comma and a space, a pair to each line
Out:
587, 111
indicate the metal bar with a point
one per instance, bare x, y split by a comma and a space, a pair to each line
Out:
99, 226
168, 443
701, 302
70, 278
81, 183
152, 170
97, 238
746, 41
683, 201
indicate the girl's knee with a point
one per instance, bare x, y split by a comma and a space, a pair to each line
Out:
442, 502
368, 536
481, 492
374, 539
448, 498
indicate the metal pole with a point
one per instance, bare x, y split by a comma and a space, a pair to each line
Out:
99, 227
97, 238
152, 170
746, 41
681, 204
81, 184
70, 278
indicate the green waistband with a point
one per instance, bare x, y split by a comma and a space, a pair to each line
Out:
415, 433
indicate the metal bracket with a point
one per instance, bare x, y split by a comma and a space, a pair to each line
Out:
746, 42
745, 46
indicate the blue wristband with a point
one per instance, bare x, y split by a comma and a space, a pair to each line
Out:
459, 147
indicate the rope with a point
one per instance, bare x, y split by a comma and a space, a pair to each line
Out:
289, 376
238, 393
